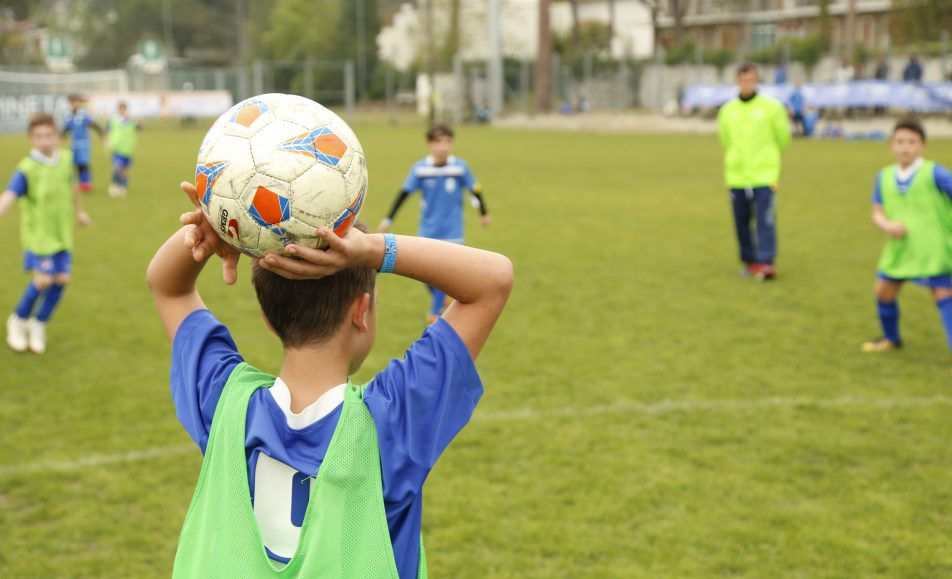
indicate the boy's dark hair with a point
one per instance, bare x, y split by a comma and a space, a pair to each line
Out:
122, 105
746, 67
913, 124
307, 311
438, 130
40, 119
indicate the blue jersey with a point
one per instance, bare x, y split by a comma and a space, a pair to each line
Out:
77, 125
441, 209
943, 180
418, 404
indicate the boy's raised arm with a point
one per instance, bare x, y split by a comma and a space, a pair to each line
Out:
479, 281
171, 277
177, 264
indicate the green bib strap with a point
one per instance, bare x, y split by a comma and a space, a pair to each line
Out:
345, 532
926, 250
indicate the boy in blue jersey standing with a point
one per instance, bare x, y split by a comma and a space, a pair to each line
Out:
43, 186
334, 472
912, 204
443, 180
77, 126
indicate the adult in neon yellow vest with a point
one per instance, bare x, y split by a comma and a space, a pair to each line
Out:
306, 474
121, 137
753, 130
912, 204
49, 204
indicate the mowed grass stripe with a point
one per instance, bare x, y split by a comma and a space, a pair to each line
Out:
619, 407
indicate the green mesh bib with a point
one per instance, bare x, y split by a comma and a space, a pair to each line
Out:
926, 250
46, 211
345, 531
122, 136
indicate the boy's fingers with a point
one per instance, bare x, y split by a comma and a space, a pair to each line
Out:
190, 191
329, 237
308, 254
229, 268
276, 262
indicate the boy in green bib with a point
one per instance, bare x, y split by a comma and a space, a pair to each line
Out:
912, 203
305, 473
121, 138
43, 184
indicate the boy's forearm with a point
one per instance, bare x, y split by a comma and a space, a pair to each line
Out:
173, 272
465, 273
171, 277
7, 200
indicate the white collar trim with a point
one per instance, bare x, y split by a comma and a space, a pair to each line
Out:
449, 160
38, 156
905, 174
316, 411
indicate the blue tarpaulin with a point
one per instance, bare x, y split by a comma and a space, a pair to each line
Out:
918, 97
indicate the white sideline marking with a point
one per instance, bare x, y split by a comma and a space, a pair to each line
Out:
619, 407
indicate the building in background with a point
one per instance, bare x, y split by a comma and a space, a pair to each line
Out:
403, 41
750, 25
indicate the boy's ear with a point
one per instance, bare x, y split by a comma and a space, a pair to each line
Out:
360, 312
267, 322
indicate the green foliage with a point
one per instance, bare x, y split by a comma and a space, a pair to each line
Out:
593, 38
111, 32
719, 58
648, 413
807, 50
914, 22
686, 53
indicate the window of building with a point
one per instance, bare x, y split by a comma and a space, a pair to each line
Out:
762, 35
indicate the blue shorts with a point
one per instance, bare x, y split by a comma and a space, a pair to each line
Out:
81, 153
61, 262
120, 162
944, 280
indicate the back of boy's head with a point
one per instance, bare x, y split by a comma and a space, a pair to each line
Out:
40, 120
311, 311
438, 130
911, 123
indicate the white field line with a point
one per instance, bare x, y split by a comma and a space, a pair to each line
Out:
619, 407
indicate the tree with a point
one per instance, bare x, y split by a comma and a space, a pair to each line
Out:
543, 73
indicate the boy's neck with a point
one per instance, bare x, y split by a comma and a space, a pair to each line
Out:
910, 164
312, 370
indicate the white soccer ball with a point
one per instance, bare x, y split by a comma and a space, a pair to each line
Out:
276, 167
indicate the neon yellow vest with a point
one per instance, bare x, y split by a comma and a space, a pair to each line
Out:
122, 135
345, 531
926, 250
753, 134
46, 211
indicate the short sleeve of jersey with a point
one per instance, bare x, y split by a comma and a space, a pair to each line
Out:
421, 402
412, 182
877, 196
17, 184
203, 357
468, 178
943, 179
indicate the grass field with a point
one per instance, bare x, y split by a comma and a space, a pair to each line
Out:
648, 413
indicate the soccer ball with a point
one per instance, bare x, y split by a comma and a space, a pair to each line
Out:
276, 167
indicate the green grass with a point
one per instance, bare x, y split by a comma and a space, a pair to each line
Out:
648, 413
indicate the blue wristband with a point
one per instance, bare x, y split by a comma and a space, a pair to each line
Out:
390, 253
